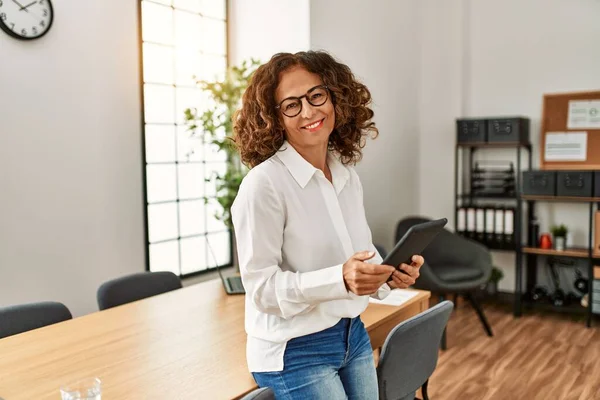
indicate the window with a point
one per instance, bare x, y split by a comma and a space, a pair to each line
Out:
182, 41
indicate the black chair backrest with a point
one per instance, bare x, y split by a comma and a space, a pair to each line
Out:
447, 247
410, 352
25, 317
136, 287
260, 394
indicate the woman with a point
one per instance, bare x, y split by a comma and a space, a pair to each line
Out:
306, 255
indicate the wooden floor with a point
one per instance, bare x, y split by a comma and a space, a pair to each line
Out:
537, 356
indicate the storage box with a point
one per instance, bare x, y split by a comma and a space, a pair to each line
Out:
595, 295
596, 250
510, 129
471, 130
539, 183
574, 183
596, 307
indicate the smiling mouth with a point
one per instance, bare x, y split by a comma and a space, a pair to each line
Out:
314, 125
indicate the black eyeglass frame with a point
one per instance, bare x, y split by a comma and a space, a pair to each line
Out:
299, 99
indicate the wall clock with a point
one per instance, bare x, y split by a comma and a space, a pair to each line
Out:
26, 19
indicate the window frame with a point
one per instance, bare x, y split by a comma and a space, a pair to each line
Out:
145, 164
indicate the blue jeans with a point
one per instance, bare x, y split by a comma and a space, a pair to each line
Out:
336, 363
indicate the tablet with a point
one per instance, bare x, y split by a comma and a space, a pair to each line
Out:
414, 241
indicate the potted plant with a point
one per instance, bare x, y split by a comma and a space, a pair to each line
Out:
214, 126
492, 285
559, 232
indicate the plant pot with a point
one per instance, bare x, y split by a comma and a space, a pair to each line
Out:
559, 243
491, 288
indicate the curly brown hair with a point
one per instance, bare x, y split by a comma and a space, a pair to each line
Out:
258, 131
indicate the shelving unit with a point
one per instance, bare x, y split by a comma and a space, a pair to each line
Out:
464, 159
531, 252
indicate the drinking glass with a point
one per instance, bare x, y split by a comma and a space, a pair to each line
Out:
85, 389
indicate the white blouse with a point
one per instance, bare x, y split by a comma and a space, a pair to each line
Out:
294, 232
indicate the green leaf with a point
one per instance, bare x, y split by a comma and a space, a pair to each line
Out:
208, 123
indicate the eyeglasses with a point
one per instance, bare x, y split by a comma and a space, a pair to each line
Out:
292, 106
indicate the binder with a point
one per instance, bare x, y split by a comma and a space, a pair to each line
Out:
489, 226
499, 227
461, 223
480, 224
471, 223
509, 233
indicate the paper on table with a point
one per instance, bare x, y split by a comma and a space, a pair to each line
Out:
566, 146
396, 297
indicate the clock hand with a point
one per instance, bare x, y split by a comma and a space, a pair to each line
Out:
28, 5
17, 3
33, 15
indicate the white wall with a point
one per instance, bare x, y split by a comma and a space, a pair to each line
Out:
261, 28
71, 202
440, 102
379, 42
489, 57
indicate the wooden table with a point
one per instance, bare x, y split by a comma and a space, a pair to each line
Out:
189, 344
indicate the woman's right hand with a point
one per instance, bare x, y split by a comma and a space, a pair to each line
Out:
363, 278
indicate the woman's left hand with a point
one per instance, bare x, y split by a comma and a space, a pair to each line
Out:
401, 280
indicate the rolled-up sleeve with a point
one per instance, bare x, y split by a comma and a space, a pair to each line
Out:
259, 215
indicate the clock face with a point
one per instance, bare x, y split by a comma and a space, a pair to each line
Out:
26, 19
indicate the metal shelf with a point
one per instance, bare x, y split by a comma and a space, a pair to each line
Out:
565, 199
485, 197
462, 179
574, 252
495, 145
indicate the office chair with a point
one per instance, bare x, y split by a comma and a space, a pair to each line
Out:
25, 317
453, 264
136, 287
410, 353
260, 394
